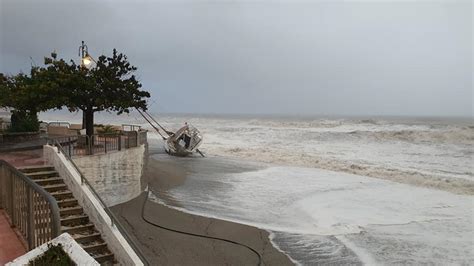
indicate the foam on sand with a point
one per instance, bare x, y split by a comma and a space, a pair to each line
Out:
318, 205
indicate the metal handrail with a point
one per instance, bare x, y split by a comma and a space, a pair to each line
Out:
131, 126
31, 207
59, 123
106, 142
112, 217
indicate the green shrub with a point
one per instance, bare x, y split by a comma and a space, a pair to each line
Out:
55, 255
107, 129
22, 121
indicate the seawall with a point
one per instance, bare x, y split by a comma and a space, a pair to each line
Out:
115, 176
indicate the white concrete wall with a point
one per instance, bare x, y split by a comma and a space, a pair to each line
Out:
123, 252
115, 176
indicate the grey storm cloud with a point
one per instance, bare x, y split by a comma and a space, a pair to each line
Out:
311, 57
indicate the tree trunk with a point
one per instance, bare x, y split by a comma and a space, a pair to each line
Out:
89, 115
89, 122
83, 119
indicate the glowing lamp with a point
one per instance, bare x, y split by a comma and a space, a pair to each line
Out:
87, 60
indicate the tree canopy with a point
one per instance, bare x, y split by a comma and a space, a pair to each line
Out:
27, 95
109, 86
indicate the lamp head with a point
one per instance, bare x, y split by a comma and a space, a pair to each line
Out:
87, 60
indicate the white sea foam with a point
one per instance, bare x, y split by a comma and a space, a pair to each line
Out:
342, 198
311, 206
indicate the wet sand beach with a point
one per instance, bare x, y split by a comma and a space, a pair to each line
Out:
163, 247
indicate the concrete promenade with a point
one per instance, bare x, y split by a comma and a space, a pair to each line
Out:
23, 146
10, 245
23, 158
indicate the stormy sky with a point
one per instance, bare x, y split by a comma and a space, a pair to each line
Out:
266, 57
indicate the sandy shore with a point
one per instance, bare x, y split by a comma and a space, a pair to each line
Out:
163, 247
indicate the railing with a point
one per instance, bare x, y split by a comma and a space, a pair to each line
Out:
104, 143
101, 143
32, 210
59, 124
127, 127
114, 221
142, 137
4, 125
131, 139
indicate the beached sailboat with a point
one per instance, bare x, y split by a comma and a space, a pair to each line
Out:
185, 141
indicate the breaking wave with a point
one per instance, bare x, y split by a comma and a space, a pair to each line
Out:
429, 154
459, 186
464, 135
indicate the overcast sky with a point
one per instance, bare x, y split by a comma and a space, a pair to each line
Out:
312, 57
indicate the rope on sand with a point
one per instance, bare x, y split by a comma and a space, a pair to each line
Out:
197, 235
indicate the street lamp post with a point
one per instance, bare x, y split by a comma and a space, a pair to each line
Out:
86, 62
86, 59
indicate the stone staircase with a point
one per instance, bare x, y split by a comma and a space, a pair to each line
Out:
73, 219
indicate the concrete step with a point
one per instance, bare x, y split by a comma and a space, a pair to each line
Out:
62, 194
95, 247
42, 174
67, 211
33, 161
74, 220
104, 258
49, 181
84, 238
54, 188
71, 202
77, 229
36, 168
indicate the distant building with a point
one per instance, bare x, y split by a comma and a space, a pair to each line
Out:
5, 113
5, 116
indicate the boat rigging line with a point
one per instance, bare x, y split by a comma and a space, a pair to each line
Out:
196, 235
164, 129
154, 127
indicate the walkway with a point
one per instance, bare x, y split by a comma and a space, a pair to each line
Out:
23, 158
10, 246
23, 146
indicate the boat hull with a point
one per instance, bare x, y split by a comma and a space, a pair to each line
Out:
184, 142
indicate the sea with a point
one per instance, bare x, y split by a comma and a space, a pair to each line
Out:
334, 190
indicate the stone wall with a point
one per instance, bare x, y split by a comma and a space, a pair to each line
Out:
115, 176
